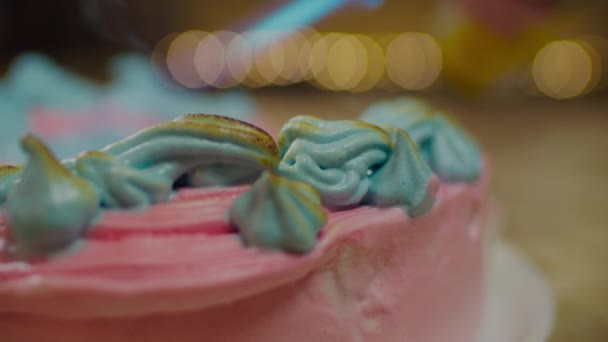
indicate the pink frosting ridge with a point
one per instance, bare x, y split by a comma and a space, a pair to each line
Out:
178, 272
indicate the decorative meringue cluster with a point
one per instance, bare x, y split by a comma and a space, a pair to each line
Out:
317, 164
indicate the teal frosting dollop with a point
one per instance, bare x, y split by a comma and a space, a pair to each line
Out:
279, 213
49, 207
335, 157
448, 149
405, 180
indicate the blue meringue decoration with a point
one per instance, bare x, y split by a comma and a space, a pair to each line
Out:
405, 180
48, 208
279, 213
335, 157
450, 152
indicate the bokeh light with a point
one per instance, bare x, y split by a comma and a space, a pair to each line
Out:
292, 47
269, 58
310, 36
238, 57
375, 64
562, 69
338, 61
263, 71
355, 62
591, 45
413, 60
346, 62
318, 57
210, 60
158, 57
181, 57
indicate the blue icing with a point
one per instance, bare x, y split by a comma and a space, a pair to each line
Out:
279, 213
139, 87
48, 208
140, 170
448, 149
38, 81
122, 186
405, 180
352, 163
383, 112
72, 145
34, 80
335, 157
450, 152
14, 125
342, 164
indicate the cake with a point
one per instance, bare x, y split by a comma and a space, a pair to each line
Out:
205, 229
73, 114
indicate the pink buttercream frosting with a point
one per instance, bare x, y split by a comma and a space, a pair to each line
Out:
178, 272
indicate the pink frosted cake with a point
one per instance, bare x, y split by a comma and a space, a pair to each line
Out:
203, 229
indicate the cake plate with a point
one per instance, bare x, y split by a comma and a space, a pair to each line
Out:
519, 304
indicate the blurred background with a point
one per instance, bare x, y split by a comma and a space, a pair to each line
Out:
529, 78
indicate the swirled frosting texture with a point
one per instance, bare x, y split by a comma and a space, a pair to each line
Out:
450, 152
352, 163
279, 213
335, 157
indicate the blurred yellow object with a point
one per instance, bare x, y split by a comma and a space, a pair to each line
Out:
562, 69
413, 60
375, 64
346, 62
181, 57
475, 57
